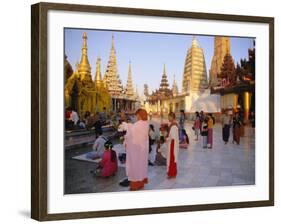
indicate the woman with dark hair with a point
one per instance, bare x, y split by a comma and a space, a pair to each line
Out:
173, 146
152, 138
108, 165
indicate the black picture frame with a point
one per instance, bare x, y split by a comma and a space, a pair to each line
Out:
39, 121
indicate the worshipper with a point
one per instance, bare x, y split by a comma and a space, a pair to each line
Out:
74, 117
173, 146
210, 131
196, 125
181, 123
152, 136
152, 139
97, 124
137, 146
98, 147
81, 124
90, 120
161, 153
185, 140
202, 118
240, 112
108, 166
164, 129
226, 122
236, 125
204, 132
68, 122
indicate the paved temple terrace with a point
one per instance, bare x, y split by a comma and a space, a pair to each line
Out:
223, 165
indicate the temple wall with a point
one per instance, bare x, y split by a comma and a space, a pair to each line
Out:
197, 101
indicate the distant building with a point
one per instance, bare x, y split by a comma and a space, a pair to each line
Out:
236, 85
84, 94
195, 94
81, 93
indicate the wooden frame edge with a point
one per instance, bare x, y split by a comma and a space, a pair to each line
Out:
39, 110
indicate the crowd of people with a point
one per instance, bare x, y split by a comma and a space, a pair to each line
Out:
88, 121
140, 137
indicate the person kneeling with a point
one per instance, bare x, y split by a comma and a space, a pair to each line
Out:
108, 165
161, 155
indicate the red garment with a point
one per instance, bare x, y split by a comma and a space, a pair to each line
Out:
172, 170
109, 168
68, 114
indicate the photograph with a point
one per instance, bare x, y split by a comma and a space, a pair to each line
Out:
154, 111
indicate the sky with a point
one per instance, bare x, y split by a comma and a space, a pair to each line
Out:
147, 52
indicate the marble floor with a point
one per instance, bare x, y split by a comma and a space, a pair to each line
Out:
223, 165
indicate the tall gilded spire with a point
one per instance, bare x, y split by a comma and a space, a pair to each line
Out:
164, 85
175, 87
113, 82
221, 48
84, 67
129, 87
98, 79
194, 75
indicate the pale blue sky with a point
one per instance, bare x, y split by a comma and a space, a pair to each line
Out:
147, 52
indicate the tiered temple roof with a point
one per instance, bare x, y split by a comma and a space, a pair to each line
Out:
129, 91
195, 75
164, 85
228, 72
111, 77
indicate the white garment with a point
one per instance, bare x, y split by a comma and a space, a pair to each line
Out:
152, 134
74, 117
163, 150
173, 135
99, 144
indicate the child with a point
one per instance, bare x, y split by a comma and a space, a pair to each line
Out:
204, 133
108, 165
161, 153
185, 140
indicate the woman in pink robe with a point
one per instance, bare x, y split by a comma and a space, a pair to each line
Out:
137, 147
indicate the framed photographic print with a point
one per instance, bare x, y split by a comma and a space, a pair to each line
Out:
140, 111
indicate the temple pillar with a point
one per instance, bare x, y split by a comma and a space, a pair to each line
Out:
247, 104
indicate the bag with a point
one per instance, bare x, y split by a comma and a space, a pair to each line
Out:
193, 128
